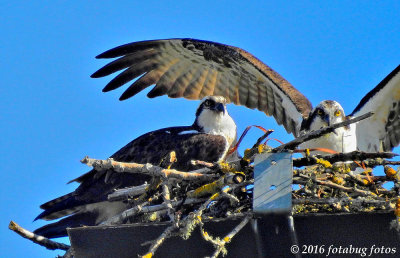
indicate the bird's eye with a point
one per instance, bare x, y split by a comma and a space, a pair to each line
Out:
337, 113
320, 112
207, 103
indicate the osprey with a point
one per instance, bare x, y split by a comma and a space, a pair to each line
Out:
193, 69
209, 139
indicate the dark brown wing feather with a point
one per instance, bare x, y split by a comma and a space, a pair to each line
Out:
194, 69
148, 148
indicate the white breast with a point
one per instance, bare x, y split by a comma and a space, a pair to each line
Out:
343, 140
218, 124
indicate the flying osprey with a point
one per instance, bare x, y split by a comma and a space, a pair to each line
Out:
208, 139
194, 69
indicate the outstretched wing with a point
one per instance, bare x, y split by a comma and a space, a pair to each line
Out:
194, 69
381, 132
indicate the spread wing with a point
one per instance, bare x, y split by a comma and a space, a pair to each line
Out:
381, 132
88, 204
194, 69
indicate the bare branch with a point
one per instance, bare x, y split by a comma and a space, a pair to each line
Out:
147, 169
349, 156
167, 201
157, 243
315, 134
145, 208
125, 193
230, 235
43, 241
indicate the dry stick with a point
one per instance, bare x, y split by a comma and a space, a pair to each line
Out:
213, 167
68, 254
205, 170
262, 138
315, 134
40, 240
231, 197
147, 169
354, 155
254, 150
380, 162
354, 201
156, 243
125, 193
118, 219
229, 236
202, 163
388, 162
183, 224
341, 187
167, 201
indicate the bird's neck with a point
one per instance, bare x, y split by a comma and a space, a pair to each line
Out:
218, 124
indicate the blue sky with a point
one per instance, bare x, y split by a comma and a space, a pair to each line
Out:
53, 113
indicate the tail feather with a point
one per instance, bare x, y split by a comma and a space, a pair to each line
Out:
48, 204
68, 204
87, 215
59, 228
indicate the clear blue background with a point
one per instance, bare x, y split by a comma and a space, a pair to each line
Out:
53, 114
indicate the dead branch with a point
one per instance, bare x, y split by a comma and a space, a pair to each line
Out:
43, 241
167, 201
315, 134
341, 157
125, 193
157, 243
68, 254
145, 208
185, 226
202, 163
230, 235
343, 200
302, 206
147, 169
249, 155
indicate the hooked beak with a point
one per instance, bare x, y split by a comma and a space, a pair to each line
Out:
327, 120
219, 108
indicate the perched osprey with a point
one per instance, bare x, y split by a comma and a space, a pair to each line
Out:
195, 68
208, 139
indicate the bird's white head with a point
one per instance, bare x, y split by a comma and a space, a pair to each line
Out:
326, 113
212, 117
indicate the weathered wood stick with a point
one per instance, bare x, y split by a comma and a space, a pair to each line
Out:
145, 208
354, 155
315, 134
43, 241
230, 235
353, 201
125, 193
147, 169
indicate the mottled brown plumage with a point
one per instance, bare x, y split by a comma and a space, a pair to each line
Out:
208, 139
194, 69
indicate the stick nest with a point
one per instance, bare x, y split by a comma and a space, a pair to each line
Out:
321, 185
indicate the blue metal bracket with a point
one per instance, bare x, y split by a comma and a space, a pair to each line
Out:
273, 178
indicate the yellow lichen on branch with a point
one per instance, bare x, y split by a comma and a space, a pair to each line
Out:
147, 169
